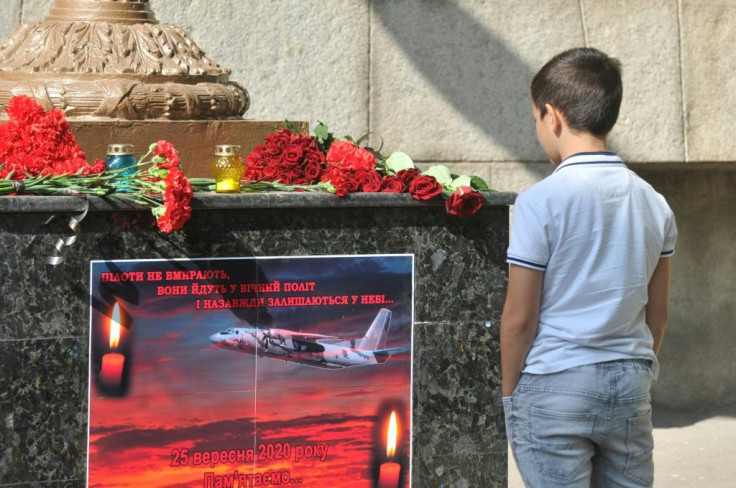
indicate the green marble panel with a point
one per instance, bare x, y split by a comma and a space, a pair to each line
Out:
460, 279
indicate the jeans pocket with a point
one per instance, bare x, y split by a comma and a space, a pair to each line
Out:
561, 442
639, 448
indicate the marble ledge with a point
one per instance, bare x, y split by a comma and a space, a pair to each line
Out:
215, 201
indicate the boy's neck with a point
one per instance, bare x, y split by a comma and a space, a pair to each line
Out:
571, 143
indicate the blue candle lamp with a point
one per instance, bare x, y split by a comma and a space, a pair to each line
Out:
121, 157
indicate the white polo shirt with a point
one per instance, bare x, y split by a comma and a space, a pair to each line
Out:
597, 231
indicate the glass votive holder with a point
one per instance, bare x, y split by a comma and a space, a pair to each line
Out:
227, 168
121, 158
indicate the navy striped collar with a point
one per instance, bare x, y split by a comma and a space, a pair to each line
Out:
602, 157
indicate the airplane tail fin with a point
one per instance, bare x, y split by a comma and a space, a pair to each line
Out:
376, 336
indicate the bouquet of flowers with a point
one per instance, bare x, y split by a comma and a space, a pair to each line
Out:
39, 155
36, 143
343, 166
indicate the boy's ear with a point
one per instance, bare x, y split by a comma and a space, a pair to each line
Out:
554, 118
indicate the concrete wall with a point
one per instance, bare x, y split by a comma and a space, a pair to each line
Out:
447, 81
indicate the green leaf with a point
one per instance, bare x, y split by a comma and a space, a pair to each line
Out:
478, 183
398, 161
289, 126
323, 136
459, 181
322, 132
441, 173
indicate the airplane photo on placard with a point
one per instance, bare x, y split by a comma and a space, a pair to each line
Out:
319, 394
316, 350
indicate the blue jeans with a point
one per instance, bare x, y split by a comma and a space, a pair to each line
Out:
589, 426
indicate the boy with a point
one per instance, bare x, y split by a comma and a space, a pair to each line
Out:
588, 292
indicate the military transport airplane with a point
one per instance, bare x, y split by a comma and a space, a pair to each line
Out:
315, 350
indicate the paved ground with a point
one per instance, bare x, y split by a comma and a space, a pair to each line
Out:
691, 450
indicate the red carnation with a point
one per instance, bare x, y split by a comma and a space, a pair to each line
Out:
34, 142
167, 150
177, 196
24, 109
339, 180
349, 156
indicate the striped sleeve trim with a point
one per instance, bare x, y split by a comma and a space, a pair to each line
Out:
669, 253
526, 264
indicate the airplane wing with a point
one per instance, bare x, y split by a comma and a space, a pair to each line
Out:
382, 355
304, 335
303, 362
310, 337
312, 364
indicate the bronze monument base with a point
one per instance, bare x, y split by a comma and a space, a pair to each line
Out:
194, 139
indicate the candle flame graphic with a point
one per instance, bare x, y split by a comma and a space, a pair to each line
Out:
392, 433
115, 326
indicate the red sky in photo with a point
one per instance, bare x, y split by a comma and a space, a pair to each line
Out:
186, 397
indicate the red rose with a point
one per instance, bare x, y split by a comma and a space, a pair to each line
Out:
287, 157
270, 172
253, 174
273, 149
314, 157
464, 202
290, 175
282, 138
306, 142
272, 161
312, 171
352, 181
424, 187
407, 175
293, 153
392, 184
368, 181
255, 157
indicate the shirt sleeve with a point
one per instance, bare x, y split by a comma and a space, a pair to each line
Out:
529, 243
668, 249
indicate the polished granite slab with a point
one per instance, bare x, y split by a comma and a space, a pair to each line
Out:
460, 278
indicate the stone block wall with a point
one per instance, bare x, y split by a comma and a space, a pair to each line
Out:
447, 81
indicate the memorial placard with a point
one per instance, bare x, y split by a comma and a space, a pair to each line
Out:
240, 372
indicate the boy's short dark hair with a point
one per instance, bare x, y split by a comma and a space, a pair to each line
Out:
585, 85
